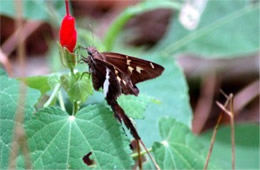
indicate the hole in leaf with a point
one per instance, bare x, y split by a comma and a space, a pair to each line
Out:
86, 159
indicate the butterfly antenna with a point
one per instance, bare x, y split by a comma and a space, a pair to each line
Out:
92, 34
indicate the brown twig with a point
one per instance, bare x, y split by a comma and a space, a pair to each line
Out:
4, 60
195, 66
11, 43
19, 139
205, 101
149, 154
231, 115
232, 131
224, 94
139, 155
243, 97
215, 133
27, 29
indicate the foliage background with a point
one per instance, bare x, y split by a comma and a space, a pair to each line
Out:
227, 30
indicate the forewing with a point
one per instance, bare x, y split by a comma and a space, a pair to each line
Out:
136, 69
117, 81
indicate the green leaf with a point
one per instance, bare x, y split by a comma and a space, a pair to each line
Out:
79, 87
246, 146
172, 91
169, 126
179, 148
68, 59
135, 106
34, 9
177, 156
42, 83
38, 82
53, 80
65, 82
233, 32
2, 72
59, 141
9, 104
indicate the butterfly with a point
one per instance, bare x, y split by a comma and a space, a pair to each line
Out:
118, 74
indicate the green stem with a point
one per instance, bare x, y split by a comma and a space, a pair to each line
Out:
75, 106
135, 155
72, 72
61, 101
53, 95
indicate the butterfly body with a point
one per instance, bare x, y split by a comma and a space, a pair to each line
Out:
118, 74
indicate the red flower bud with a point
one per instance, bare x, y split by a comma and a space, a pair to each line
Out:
68, 33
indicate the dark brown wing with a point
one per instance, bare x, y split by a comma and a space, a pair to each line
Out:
118, 82
98, 72
137, 69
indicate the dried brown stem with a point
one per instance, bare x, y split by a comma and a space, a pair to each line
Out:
231, 115
139, 155
26, 29
19, 139
4, 60
205, 101
232, 131
224, 109
149, 154
246, 95
213, 138
198, 66
224, 94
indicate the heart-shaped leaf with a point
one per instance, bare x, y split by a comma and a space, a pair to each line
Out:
179, 149
59, 141
10, 103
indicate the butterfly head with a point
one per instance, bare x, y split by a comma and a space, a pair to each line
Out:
92, 54
92, 51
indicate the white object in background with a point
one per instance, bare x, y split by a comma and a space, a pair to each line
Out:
191, 12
